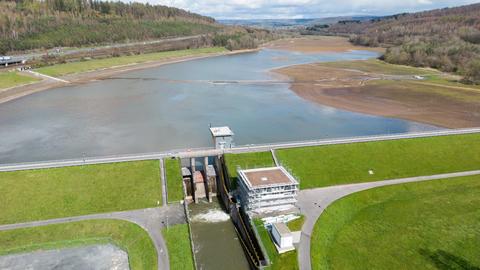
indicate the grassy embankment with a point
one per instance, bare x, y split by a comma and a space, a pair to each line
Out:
128, 236
90, 65
80, 190
179, 250
174, 180
11, 79
350, 163
329, 165
425, 225
285, 261
247, 161
432, 77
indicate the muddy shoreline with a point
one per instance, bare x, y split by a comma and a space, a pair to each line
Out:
86, 77
394, 99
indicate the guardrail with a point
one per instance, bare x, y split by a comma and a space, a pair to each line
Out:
210, 151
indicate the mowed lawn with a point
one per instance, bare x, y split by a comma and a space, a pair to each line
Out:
71, 191
89, 65
425, 225
322, 166
128, 236
247, 161
180, 254
174, 180
11, 79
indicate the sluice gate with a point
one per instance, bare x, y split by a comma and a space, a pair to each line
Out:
240, 219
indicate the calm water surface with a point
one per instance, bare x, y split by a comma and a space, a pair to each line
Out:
171, 107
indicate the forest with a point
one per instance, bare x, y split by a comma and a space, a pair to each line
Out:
446, 39
34, 24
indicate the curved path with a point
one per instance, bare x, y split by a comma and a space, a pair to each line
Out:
313, 202
152, 220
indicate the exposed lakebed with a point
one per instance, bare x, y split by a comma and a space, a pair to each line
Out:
172, 106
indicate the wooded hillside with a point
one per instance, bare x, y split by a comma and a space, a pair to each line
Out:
32, 24
447, 39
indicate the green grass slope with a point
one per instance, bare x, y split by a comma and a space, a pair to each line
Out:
285, 261
95, 64
80, 190
425, 225
128, 236
178, 244
11, 79
174, 180
350, 163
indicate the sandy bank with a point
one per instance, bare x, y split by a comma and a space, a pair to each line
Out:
85, 77
396, 96
317, 44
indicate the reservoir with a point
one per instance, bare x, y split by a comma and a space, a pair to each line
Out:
172, 107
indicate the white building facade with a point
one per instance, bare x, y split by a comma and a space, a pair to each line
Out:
267, 189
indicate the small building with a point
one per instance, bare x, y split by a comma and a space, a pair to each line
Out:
267, 189
282, 237
222, 137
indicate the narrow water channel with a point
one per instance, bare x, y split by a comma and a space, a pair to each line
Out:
217, 246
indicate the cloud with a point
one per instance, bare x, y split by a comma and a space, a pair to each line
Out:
261, 9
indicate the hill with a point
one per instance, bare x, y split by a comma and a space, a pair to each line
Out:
447, 39
34, 24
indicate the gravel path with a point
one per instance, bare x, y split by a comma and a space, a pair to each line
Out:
152, 220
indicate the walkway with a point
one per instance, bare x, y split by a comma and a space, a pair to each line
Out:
313, 202
152, 220
204, 152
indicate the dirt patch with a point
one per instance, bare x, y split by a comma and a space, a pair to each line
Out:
317, 44
89, 257
401, 98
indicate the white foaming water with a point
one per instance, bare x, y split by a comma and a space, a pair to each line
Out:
212, 216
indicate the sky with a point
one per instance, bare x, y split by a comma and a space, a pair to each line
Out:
295, 9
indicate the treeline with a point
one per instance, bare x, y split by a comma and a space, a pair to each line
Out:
32, 24
242, 38
447, 39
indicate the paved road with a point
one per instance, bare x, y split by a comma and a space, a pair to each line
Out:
313, 202
202, 152
152, 220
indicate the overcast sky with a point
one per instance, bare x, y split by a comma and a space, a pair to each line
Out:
274, 9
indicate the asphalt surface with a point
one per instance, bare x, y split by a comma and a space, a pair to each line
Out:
202, 152
312, 203
152, 220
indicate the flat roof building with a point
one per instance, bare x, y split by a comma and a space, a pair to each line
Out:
267, 188
282, 237
222, 137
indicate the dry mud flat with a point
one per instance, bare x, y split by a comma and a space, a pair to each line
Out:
317, 44
398, 96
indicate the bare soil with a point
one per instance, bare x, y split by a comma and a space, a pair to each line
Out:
395, 96
317, 44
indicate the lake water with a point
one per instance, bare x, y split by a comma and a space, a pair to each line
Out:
172, 106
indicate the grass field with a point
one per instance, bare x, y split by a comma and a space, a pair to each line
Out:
174, 180
179, 250
425, 225
247, 161
285, 261
72, 191
11, 79
128, 236
350, 163
296, 224
83, 66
